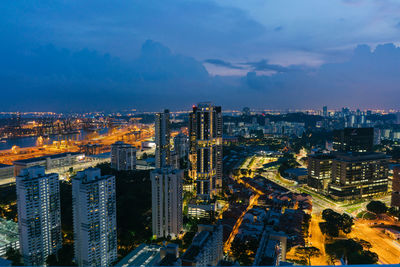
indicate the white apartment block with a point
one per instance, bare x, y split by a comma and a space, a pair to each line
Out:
94, 213
166, 189
123, 156
39, 216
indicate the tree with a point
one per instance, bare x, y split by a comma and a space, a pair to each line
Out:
14, 256
352, 250
377, 207
346, 223
306, 253
335, 222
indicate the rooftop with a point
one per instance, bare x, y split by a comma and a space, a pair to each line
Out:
144, 255
5, 165
8, 232
54, 156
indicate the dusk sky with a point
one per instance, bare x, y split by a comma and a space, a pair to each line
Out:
109, 55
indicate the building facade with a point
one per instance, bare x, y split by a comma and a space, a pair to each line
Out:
319, 171
39, 215
206, 248
396, 187
162, 138
50, 162
358, 175
205, 138
353, 139
6, 174
94, 215
181, 145
166, 189
123, 156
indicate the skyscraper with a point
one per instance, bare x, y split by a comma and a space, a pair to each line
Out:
205, 137
166, 189
123, 156
39, 216
163, 136
181, 145
353, 139
325, 111
94, 214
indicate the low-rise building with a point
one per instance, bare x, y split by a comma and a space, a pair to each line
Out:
8, 236
49, 162
206, 247
6, 174
297, 174
152, 255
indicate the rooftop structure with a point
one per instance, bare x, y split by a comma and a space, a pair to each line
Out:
206, 247
8, 235
49, 162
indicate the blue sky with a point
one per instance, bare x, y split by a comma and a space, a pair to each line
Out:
106, 55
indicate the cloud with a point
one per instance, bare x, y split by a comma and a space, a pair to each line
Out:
369, 79
263, 65
60, 79
222, 63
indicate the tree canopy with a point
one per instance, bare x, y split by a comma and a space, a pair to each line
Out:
335, 222
377, 207
352, 250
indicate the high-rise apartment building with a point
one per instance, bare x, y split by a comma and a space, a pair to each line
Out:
319, 171
94, 215
353, 139
123, 156
205, 138
358, 175
39, 216
166, 189
181, 145
162, 137
396, 187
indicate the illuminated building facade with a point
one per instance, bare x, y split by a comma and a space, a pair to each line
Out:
396, 188
123, 156
205, 138
162, 138
319, 171
358, 175
94, 215
166, 189
39, 216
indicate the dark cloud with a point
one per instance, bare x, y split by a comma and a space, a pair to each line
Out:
368, 79
263, 65
50, 78
222, 63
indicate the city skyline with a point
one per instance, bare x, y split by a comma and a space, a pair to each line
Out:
200, 133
